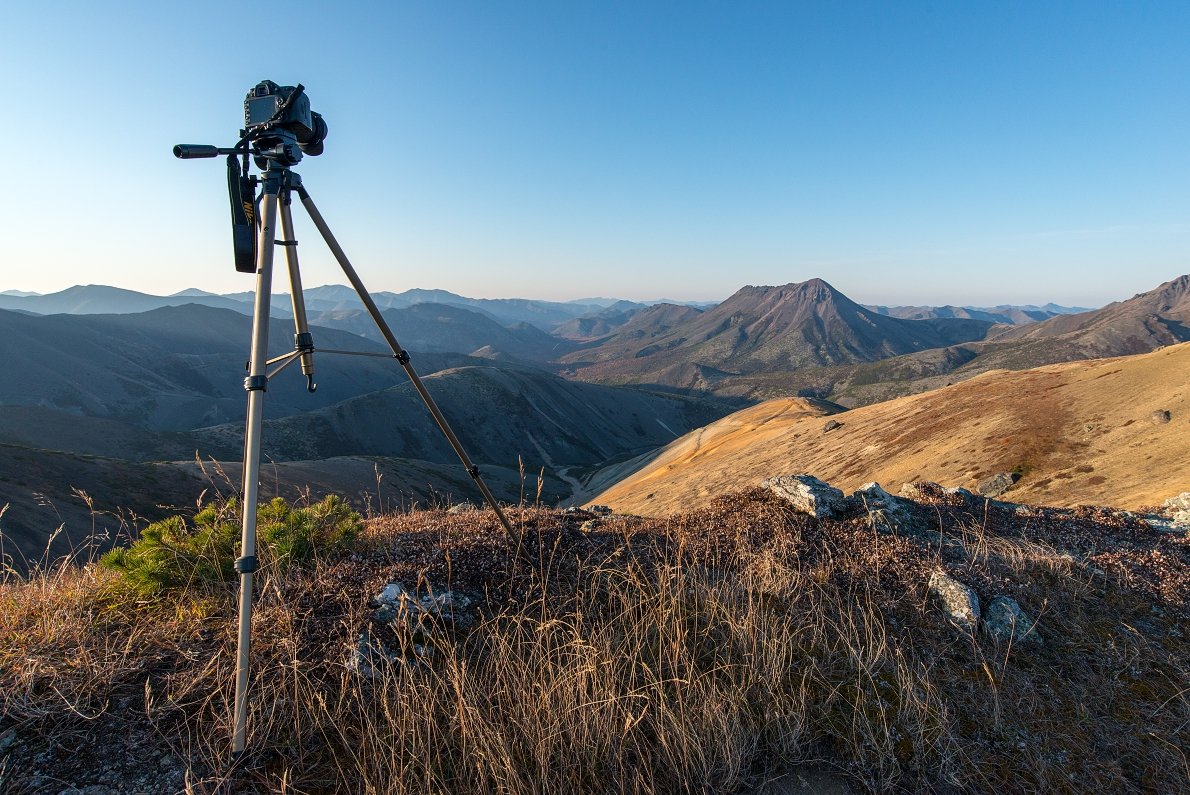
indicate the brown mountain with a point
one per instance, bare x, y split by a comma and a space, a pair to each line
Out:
791, 327
1144, 322
1091, 432
599, 325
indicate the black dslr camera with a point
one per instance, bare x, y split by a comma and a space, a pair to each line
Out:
279, 120
279, 128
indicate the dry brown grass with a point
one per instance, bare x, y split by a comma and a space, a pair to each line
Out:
702, 653
1079, 432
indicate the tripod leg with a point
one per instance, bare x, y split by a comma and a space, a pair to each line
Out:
402, 356
256, 383
302, 340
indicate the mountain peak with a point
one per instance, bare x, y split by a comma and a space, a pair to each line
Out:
813, 295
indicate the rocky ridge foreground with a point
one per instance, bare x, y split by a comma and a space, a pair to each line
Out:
1001, 647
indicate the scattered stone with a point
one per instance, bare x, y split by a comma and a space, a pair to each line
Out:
418, 618
920, 490
462, 507
1006, 622
831, 425
1177, 525
1160, 417
600, 510
886, 512
394, 602
997, 484
1178, 503
590, 526
962, 493
808, 494
959, 602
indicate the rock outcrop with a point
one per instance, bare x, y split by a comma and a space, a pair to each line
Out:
997, 484
809, 495
887, 513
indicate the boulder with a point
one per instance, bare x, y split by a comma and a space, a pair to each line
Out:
1160, 417
1005, 622
831, 425
959, 602
886, 512
808, 494
996, 485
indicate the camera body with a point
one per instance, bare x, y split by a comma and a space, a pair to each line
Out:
281, 122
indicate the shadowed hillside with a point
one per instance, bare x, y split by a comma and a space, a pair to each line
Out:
498, 414
443, 328
173, 368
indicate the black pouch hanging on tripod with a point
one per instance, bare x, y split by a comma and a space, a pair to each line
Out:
241, 189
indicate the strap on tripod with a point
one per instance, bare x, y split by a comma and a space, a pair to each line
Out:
241, 190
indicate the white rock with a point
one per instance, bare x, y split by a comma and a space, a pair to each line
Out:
808, 494
960, 603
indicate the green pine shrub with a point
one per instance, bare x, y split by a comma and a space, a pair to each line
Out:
172, 554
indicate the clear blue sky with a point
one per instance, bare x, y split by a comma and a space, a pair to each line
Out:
972, 153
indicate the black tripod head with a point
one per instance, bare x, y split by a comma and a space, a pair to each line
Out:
279, 128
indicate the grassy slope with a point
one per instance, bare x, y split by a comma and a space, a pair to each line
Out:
1081, 432
712, 649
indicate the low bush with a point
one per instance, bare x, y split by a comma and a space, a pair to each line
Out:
174, 554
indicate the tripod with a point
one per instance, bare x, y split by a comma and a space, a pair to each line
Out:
279, 184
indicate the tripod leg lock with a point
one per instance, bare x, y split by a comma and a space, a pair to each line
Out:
254, 383
303, 341
402, 357
246, 565
474, 472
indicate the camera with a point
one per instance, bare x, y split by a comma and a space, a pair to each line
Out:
279, 117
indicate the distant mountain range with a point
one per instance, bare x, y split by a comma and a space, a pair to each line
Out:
551, 316
96, 299
1008, 315
97, 374
853, 344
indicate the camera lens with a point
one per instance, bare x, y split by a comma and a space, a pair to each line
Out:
313, 143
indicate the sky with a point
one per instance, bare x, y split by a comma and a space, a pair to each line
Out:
908, 153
